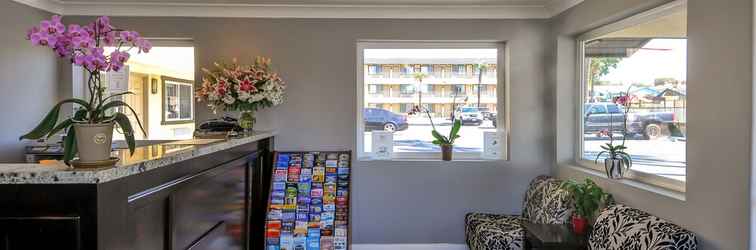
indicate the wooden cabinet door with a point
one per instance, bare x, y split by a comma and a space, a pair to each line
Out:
211, 211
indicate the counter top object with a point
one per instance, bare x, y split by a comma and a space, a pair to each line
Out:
173, 196
552, 236
145, 158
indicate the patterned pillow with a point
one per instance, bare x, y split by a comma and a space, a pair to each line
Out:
546, 202
623, 227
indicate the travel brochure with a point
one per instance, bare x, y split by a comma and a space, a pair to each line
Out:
309, 201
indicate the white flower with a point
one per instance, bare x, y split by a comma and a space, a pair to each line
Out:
228, 99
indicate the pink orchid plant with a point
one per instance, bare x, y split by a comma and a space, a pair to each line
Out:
618, 151
83, 46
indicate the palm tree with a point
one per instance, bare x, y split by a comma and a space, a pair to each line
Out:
419, 76
481, 67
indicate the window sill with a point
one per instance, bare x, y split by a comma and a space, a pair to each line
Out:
371, 159
668, 192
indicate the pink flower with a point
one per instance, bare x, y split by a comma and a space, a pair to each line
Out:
53, 26
43, 39
117, 60
103, 24
247, 86
623, 100
83, 42
31, 31
75, 30
144, 45
109, 38
129, 36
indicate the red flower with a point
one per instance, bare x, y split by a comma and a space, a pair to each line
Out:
247, 85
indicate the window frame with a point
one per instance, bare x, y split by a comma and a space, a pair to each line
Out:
178, 82
502, 91
643, 17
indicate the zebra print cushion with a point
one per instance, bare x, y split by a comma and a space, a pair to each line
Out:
623, 227
493, 231
545, 202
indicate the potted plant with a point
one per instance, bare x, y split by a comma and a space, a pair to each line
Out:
587, 198
617, 161
96, 116
245, 88
445, 142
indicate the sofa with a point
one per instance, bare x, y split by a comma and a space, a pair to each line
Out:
617, 226
621, 227
545, 202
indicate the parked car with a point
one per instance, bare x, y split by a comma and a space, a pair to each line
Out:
469, 115
381, 119
492, 117
605, 115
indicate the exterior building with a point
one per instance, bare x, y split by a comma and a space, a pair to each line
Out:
393, 86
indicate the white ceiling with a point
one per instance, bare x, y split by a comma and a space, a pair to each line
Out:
423, 9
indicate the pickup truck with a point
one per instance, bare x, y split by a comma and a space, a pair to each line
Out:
605, 115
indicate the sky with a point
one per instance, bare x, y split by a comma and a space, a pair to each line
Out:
659, 58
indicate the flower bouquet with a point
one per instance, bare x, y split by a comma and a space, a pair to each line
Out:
95, 117
245, 88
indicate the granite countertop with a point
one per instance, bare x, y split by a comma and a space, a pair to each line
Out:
145, 158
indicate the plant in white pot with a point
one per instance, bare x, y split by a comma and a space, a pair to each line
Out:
96, 116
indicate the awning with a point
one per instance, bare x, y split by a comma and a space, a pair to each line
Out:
614, 47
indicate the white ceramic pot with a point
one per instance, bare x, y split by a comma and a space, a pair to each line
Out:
615, 168
94, 141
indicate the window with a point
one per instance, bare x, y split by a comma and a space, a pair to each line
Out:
178, 100
645, 58
426, 69
374, 69
412, 132
458, 69
373, 89
406, 89
143, 76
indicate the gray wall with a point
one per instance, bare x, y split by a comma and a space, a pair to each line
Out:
717, 201
28, 78
393, 202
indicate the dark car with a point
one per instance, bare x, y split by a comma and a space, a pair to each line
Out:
606, 115
381, 119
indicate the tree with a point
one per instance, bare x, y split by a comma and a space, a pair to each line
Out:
481, 67
419, 76
598, 67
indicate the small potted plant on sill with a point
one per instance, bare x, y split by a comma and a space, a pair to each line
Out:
96, 116
617, 161
445, 142
587, 198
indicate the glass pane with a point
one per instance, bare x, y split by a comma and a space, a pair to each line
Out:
647, 64
426, 80
171, 101
185, 101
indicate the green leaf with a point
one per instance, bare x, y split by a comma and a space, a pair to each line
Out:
69, 146
439, 137
455, 129
62, 125
48, 123
119, 94
128, 131
115, 104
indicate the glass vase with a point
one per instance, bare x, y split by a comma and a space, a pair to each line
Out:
247, 121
